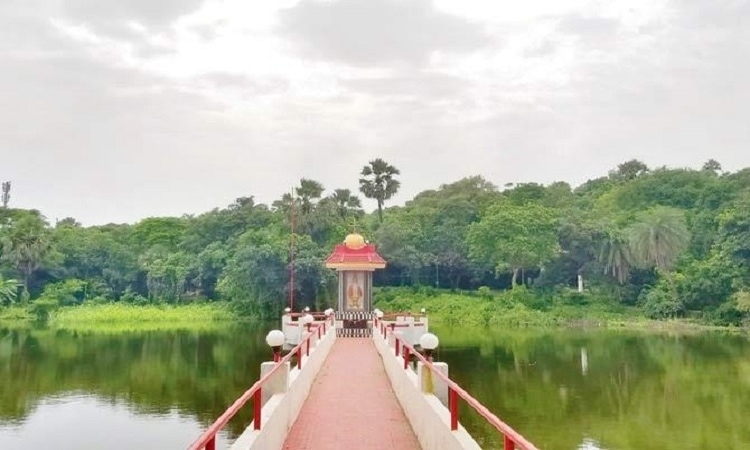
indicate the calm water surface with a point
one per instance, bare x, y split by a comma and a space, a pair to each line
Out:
563, 389
606, 389
73, 390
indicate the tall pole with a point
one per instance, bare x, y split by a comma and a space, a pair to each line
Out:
291, 251
6, 194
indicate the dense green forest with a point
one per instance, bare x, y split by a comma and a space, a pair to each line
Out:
672, 242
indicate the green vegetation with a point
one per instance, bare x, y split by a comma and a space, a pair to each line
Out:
15, 313
653, 243
516, 307
149, 317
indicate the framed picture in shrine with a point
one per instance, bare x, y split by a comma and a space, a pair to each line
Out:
355, 290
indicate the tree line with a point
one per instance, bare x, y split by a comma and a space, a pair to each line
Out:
670, 241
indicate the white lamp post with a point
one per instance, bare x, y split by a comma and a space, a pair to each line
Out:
428, 342
379, 313
275, 339
307, 309
287, 310
307, 319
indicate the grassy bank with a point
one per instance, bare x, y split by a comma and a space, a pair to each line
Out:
15, 314
120, 317
520, 307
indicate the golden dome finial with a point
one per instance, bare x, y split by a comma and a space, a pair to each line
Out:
354, 241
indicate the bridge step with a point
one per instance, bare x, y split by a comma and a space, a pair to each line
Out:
353, 332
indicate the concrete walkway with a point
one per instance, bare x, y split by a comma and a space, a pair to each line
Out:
351, 405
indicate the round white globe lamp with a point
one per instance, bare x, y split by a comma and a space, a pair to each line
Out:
429, 342
275, 339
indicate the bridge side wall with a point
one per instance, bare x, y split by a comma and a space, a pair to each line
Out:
281, 410
429, 419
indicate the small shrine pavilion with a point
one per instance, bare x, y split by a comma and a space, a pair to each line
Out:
355, 261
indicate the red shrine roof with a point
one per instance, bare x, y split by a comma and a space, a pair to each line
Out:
355, 254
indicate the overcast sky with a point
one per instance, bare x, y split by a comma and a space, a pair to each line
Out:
115, 110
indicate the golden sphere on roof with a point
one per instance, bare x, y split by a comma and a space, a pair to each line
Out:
354, 241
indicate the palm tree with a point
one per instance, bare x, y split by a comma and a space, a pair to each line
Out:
307, 191
26, 244
378, 182
658, 238
8, 290
615, 256
345, 202
284, 204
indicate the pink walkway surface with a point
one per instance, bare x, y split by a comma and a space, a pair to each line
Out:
351, 405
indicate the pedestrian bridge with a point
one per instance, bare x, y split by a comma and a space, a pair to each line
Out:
343, 389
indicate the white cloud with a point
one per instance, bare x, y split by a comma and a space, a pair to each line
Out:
181, 108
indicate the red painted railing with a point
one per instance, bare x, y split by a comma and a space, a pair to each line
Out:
315, 314
207, 440
511, 438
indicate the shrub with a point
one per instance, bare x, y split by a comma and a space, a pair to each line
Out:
484, 292
132, 298
659, 302
573, 297
727, 314
43, 307
742, 299
519, 295
65, 293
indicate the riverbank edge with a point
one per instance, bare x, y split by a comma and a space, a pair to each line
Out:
443, 309
118, 316
525, 309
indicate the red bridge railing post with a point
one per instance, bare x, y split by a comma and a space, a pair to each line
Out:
299, 358
508, 443
257, 406
453, 406
307, 351
211, 445
406, 357
398, 346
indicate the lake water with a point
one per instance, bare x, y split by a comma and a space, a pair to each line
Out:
72, 390
562, 389
606, 389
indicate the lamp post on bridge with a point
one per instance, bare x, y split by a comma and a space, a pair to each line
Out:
275, 339
329, 315
429, 343
307, 320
